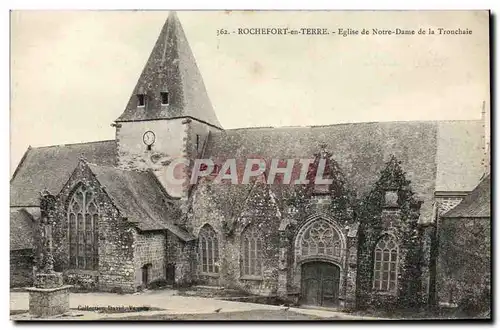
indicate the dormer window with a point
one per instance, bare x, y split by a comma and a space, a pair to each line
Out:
164, 98
141, 100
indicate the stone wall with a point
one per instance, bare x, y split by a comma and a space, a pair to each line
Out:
195, 141
150, 248
203, 212
174, 139
260, 211
464, 262
429, 256
115, 270
409, 291
181, 256
443, 293
170, 144
21, 268
391, 209
48, 302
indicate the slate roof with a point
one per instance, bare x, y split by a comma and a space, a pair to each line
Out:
437, 156
361, 149
21, 230
459, 155
50, 168
477, 204
140, 197
171, 67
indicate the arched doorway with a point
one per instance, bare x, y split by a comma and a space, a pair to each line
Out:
320, 284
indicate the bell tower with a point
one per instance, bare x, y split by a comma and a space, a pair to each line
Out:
169, 115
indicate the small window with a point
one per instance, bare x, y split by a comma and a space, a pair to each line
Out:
197, 142
141, 100
164, 98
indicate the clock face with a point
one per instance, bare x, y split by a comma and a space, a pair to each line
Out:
149, 138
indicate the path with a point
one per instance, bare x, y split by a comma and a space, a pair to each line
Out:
164, 299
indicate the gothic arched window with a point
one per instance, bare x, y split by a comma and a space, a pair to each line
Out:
251, 249
385, 264
209, 250
83, 230
320, 238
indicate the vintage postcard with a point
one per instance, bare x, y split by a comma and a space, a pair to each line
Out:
250, 165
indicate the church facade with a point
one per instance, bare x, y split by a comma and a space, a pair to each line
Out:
366, 239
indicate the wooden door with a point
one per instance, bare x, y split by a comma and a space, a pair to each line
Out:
320, 284
145, 274
170, 274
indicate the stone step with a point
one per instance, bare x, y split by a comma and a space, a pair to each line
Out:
209, 287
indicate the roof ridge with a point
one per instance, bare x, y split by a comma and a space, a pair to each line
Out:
71, 144
353, 123
127, 170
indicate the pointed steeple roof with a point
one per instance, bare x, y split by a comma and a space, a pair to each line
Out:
171, 68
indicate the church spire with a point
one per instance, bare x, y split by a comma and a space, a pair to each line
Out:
170, 85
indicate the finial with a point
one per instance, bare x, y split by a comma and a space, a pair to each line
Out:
172, 14
45, 192
393, 160
323, 152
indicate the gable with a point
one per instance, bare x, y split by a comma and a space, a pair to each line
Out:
260, 202
50, 167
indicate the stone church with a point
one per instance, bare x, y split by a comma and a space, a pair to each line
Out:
369, 238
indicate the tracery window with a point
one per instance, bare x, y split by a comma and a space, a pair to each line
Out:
385, 265
83, 230
321, 238
251, 249
209, 250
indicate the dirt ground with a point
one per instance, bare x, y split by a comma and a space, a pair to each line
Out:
254, 315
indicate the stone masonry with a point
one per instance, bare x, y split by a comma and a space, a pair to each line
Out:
150, 249
49, 302
116, 269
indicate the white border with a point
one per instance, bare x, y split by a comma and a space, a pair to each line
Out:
187, 4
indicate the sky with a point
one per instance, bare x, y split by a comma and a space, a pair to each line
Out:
72, 72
